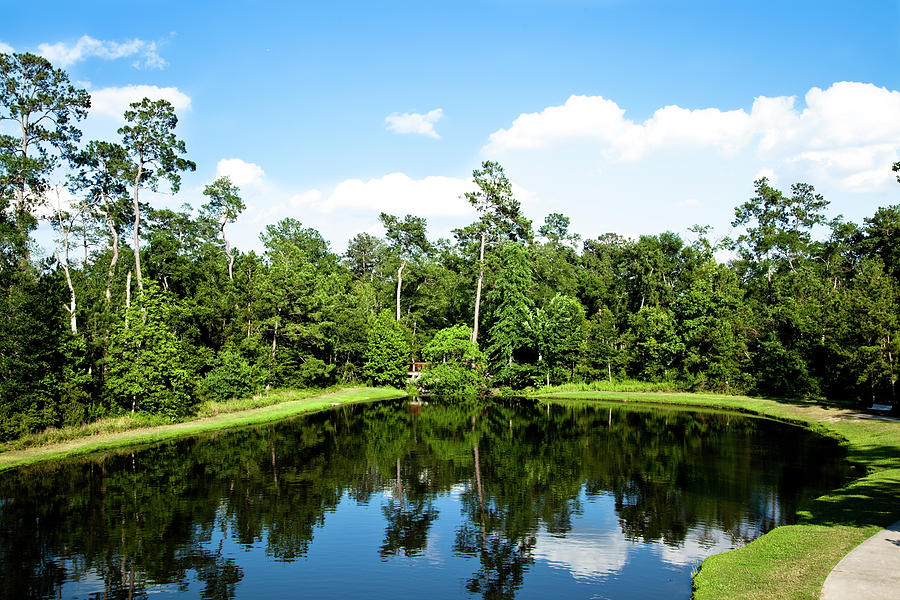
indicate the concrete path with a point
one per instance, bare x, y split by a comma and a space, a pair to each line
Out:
869, 571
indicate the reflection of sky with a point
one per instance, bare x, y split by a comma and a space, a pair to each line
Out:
699, 543
585, 555
594, 548
591, 560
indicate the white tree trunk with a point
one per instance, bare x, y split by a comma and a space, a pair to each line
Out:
399, 284
137, 224
478, 289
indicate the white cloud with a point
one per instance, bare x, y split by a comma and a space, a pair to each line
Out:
848, 133
65, 55
397, 193
6, 48
241, 173
415, 123
113, 101
353, 205
768, 174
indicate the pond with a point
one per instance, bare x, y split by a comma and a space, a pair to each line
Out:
396, 500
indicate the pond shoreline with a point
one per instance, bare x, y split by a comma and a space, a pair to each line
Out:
281, 404
793, 561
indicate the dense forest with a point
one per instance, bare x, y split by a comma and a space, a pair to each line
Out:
149, 309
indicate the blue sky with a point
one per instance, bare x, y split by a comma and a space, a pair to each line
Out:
639, 116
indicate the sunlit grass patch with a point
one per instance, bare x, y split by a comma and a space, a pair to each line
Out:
142, 429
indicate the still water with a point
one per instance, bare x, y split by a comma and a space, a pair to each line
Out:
393, 500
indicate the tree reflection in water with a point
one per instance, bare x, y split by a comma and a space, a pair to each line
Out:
134, 524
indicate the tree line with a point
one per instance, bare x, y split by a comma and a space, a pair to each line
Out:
154, 310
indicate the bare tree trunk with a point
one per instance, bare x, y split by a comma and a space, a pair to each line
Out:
275, 334
399, 284
893, 377
228, 253
127, 296
64, 231
114, 242
478, 289
137, 223
84, 239
21, 191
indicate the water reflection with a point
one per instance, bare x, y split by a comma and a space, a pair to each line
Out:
500, 501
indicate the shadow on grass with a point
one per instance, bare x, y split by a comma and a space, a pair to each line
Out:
875, 456
868, 501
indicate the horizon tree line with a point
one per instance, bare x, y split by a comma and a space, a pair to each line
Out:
158, 311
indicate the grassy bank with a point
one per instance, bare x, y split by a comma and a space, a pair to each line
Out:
128, 430
793, 561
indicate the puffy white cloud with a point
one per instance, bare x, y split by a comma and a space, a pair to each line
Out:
113, 101
848, 133
398, 193
65, 55
341, 211
6, 48
240, 172
594, 118
415, 122
580, 118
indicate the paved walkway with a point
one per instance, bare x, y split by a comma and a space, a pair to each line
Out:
871, 571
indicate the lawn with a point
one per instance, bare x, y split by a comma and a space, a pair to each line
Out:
128, 430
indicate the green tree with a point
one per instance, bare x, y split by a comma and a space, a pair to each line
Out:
499, 216
387, 352
562, 337
102, 173
512, 334
407, 241
44, 107
362, 255
154, 152
224, 206
455, 364
151, 368
777, 227
654, 346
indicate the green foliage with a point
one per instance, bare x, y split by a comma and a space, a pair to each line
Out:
454, 345
45, 107
512, 335
232, 376
456, 365
453, 380
807, 306
562, 337
387, 352
150, 368
653, 344
149, 138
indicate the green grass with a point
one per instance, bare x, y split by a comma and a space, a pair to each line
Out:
793, 561
616, 385
141, 429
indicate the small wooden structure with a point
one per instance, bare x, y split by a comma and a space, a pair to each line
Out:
415, 369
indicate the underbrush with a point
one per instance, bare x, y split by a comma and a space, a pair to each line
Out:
138, 420
616, 385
